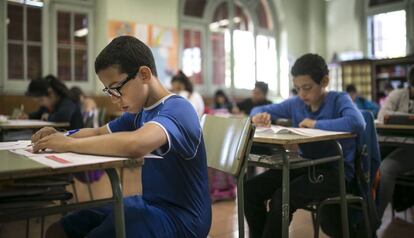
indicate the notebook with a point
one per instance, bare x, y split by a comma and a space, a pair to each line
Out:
294, 130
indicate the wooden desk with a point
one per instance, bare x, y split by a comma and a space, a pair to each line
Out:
14, 166
28, 125
286, 163
395, 135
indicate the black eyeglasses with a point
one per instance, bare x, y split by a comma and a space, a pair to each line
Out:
115, 91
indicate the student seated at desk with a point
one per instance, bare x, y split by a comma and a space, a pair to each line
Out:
56, 104
90, 112
400, 161
314, 107
361, 102
259, 98
175, 199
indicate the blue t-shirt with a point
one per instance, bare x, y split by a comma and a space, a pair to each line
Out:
178, 183
336, 113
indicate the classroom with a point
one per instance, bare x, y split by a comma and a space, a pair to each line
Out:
206, 118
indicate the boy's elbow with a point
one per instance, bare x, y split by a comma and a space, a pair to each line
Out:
358, 126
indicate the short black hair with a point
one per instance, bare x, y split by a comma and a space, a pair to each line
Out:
262, 86
182, 78
39, 87
128, 54
350, 88
310, 64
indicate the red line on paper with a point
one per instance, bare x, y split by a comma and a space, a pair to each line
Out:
57, 159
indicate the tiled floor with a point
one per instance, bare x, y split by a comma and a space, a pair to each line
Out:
224, 224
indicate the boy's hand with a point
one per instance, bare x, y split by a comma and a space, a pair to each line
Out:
56, 142
262, 119
45, 131
307, 123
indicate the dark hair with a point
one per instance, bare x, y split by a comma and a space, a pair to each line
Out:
182, 78
411, 76
350, 88
76, 93
128, 53
221, 93
312, 65
39, 87
262, 86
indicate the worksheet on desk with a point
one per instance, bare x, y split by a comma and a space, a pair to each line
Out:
62, 160
21, 144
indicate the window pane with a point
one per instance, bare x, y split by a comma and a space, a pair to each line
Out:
81, 65
194, 8
389, 34
244, 60
192, 58
34, 62
219, 63
266, 60
34, 24
15, 61
15, 22
81, 29
64, 65
63, 28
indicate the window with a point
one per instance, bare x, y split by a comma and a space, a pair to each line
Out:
192, 55
235, 65
387, 34
24, 39
72, 46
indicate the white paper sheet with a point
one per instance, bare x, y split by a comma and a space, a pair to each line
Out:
21, 144
293, 130
62, 160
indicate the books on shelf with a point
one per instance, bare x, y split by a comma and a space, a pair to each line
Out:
308, 132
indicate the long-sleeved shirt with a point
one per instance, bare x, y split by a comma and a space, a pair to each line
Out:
64, 111
365, 104
336, 113
397, 102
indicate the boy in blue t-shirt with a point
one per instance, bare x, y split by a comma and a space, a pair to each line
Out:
314, 107
175, 200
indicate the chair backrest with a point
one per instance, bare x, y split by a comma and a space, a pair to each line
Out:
227, 141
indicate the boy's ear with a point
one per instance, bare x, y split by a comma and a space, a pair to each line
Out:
145, 73
325, 81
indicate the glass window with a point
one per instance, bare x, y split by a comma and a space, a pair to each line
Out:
24, 40
266, 60
192, 55
388, 34
72, 54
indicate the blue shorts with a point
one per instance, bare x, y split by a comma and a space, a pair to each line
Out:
141, 220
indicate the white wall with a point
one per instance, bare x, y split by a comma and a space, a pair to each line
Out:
344, 27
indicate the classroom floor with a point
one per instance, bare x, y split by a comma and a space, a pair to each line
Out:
224, 224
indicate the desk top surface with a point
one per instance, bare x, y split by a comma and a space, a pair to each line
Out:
30, 124
13, 166
290, 139
393, 126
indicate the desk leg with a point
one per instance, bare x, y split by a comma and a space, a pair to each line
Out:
342, 190
118, 203
285, 195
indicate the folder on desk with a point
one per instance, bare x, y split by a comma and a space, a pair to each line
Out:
407, 119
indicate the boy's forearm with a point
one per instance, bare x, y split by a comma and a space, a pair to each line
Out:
88, 132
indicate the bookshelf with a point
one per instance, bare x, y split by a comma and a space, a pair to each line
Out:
359, 73
390, 71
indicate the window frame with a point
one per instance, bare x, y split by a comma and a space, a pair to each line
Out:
49, 45
188, 22
18, 86
407, 5
89, 84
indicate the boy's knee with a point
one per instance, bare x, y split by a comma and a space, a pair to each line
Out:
390, 168
56, 230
